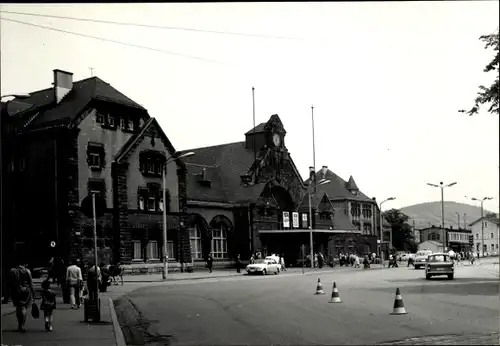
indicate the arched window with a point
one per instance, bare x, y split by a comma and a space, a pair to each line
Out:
195, 238
220, 243
434, 236
477, 235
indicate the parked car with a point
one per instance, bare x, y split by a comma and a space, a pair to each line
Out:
421, 258
439, 264
264, 267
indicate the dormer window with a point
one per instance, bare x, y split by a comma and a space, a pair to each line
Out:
95, 156
141, 203
111, 120
151, 204
123, 123
130, 125
99, 117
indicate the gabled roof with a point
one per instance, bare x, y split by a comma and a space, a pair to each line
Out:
316, 200
490, 219
337, 188
73, 104
137, 138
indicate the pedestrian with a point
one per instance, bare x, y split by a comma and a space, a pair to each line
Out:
356, 261
74, 281
238, 263
210, 261
48, 304
410, 261
282, 263
22, 293
104, 283
320, 260
59, 270
93, 279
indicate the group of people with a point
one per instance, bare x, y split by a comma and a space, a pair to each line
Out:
20, 287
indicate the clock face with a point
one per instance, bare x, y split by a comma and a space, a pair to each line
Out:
276, 139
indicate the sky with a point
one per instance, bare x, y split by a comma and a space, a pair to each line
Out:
386, 80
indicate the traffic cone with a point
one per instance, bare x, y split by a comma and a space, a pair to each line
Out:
399, 306
319, 288
335, 295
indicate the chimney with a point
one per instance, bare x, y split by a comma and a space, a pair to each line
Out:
63, 83
324, 169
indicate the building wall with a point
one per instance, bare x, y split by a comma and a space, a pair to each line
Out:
210, 213
113, 140
489, 227
135, 179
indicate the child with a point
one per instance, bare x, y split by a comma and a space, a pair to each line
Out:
48, 304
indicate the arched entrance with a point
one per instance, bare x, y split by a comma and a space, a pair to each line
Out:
222, 237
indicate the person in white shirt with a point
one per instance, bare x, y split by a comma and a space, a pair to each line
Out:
75, 281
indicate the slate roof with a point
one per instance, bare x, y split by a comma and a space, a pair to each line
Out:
257, 129
316, 200
224, 164
338, 188
73, 103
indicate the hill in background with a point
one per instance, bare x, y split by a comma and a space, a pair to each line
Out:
426, 214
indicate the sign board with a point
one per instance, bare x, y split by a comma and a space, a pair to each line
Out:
286, 219
295, 219
304, 220
52, 244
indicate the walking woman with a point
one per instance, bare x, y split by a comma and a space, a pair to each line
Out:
22, 293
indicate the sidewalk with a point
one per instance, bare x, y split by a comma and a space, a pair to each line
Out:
69, 328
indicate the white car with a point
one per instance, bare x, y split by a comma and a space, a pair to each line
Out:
421, 258
264, 267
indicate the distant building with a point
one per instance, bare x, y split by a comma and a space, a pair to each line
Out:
432, 245
488, 234
458, 239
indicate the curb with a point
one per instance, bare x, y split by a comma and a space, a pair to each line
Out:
117, 329
6, 312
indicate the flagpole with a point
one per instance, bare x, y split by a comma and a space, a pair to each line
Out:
253, 136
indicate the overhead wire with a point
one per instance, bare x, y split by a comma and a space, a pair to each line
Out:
151, 26
117, 42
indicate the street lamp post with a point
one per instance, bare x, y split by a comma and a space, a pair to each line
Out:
381, 223
310, 192
2, 192
442, 186
481, 200
175, 156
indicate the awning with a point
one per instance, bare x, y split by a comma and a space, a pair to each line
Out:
283, 231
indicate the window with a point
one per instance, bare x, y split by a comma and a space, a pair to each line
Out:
219, 243
477, 235
492, 247
95, 156
153, 250
367, 228
137, 250
160, 204
99, 118
111, 120
151, 204
492, 236
485, 224
355, 210
367, 211
170, 250
123, 123
130, 125
434, 236
141, 203
195, 238
496, 246
151, 163
98, 187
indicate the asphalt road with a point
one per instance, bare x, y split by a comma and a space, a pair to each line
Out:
283, 310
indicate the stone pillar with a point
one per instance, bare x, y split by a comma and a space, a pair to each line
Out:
123, 247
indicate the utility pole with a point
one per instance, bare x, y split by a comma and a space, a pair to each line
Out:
481, 200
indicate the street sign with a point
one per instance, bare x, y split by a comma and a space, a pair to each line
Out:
52, 244
100, 206
295, 219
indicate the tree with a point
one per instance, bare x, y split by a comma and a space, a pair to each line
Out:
489, 95
402, 233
